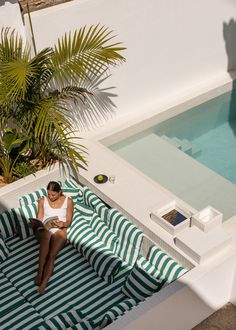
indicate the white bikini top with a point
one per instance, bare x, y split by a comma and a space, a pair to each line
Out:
51, 212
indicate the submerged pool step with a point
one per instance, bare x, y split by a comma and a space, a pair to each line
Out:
184, 145
187, 147
174, 141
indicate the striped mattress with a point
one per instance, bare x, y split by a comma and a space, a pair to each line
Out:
73, 286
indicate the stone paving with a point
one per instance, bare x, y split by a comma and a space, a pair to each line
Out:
39, 4
223, 319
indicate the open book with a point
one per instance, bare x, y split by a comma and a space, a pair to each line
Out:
46, 224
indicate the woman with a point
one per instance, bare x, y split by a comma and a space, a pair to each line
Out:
53, 240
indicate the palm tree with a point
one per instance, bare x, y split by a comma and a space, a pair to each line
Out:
46, 96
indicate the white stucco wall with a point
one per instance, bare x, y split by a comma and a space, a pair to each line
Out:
173, 46
10, 16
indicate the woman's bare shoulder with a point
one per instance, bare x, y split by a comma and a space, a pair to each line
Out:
41, 200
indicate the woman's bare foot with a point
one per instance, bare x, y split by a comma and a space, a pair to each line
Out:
38, 279
42, 287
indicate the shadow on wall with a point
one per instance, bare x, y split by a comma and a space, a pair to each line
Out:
229, 33
2, 207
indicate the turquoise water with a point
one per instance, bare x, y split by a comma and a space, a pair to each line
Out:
218, 150
207, 133
211, 131
192, 155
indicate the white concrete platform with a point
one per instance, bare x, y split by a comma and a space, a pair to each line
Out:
199, 245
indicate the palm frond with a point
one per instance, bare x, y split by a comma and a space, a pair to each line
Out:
86, 52
12, 46
49, 115
16, 78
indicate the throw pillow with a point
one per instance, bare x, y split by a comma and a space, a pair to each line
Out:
101, 209
170, 269
116, 311
32, 197
84, 210
73, 193
90, 197
143, 281
96, 203
7, 224
22, 215
129, 236
4, 251
100, 257
103, 232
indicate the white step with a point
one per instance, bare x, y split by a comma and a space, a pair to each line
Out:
172, 141
196, 151
177, 142
186, 147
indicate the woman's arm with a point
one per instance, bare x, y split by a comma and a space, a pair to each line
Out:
41, 208
69, 215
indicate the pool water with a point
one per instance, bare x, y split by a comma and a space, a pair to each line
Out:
211, 131
218, 150
193, 154
206, 133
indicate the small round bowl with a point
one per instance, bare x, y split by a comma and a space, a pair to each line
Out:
104, 178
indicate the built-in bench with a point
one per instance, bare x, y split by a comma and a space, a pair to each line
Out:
99, 275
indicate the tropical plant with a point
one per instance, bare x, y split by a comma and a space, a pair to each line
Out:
12, 146
23, 169
45, 97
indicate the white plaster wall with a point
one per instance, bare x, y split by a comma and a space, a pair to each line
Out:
172, 46
184, 303
10, 16
10, 193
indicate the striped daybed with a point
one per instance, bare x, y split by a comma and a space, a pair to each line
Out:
98, 276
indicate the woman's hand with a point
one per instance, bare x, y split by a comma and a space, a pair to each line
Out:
58, 224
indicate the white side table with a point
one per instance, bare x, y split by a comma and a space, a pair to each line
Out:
200, 245
207, 219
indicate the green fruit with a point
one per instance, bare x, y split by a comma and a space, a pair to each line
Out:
100, 177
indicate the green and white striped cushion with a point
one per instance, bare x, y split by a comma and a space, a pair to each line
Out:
129, 236
98, 205
9, 296
100, 257
22, 215
84, 210
71, 183
143, 280
116, 311
89, 197
73, 193
73, 283
62, 321
4, 251
16, 313
170, 269
83, 325
103, 232
7, 224
32, 197
101, 209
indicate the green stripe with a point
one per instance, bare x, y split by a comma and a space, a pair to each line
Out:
7, 224
156, 257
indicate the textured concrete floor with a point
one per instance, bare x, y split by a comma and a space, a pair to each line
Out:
223, 319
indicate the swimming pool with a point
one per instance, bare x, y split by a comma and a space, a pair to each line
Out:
192, 154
